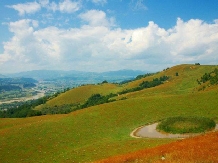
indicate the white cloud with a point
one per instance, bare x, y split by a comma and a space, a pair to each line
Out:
44, 3
26, 8
68, 6
96, 46
193, 39
4, 58
96, 18
65, 6
138, 5
53, 6
101, 2
20, 47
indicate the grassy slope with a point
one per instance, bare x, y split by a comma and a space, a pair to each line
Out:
184, 83
103, 131
80, 94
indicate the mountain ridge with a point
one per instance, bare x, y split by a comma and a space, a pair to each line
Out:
54, 74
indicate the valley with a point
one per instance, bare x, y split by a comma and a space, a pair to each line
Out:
51, 82
38, 95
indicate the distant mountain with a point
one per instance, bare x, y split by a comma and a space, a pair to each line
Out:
2, 76
92, 77
9, 84
41, 74
126, 73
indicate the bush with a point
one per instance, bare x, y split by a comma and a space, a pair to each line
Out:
63, 109
181, 125
212, 77
177, 74
105, 81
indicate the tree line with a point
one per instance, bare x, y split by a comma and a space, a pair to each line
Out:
146, 84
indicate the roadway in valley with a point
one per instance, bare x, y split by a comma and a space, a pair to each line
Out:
39, 95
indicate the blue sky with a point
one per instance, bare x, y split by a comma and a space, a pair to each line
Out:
104, 35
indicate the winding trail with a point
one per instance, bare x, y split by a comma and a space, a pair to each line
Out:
149, 131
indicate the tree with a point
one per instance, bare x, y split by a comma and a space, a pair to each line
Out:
177, 74
105, 81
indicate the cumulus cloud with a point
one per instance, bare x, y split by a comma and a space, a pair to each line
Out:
26, 8
97, 45
23, 42
193, 40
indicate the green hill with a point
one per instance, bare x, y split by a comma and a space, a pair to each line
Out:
184, 82
103, 131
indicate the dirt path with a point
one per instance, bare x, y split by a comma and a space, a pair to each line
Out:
149, 131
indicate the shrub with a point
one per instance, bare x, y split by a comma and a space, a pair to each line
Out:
105, 81
181, 125
63, 109
177, 74
212, 77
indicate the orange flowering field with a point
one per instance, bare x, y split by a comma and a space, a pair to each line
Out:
200, 149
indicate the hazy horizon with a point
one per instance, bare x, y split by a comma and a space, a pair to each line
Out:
56, 70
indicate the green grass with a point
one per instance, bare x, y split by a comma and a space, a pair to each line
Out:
80, 94
182, 125
102, 131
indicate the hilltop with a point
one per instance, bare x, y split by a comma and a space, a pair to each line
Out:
103, 130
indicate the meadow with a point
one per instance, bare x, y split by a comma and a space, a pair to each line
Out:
103, 131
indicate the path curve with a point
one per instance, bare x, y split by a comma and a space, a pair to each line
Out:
149, 131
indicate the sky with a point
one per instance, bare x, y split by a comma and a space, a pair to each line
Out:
106, 35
